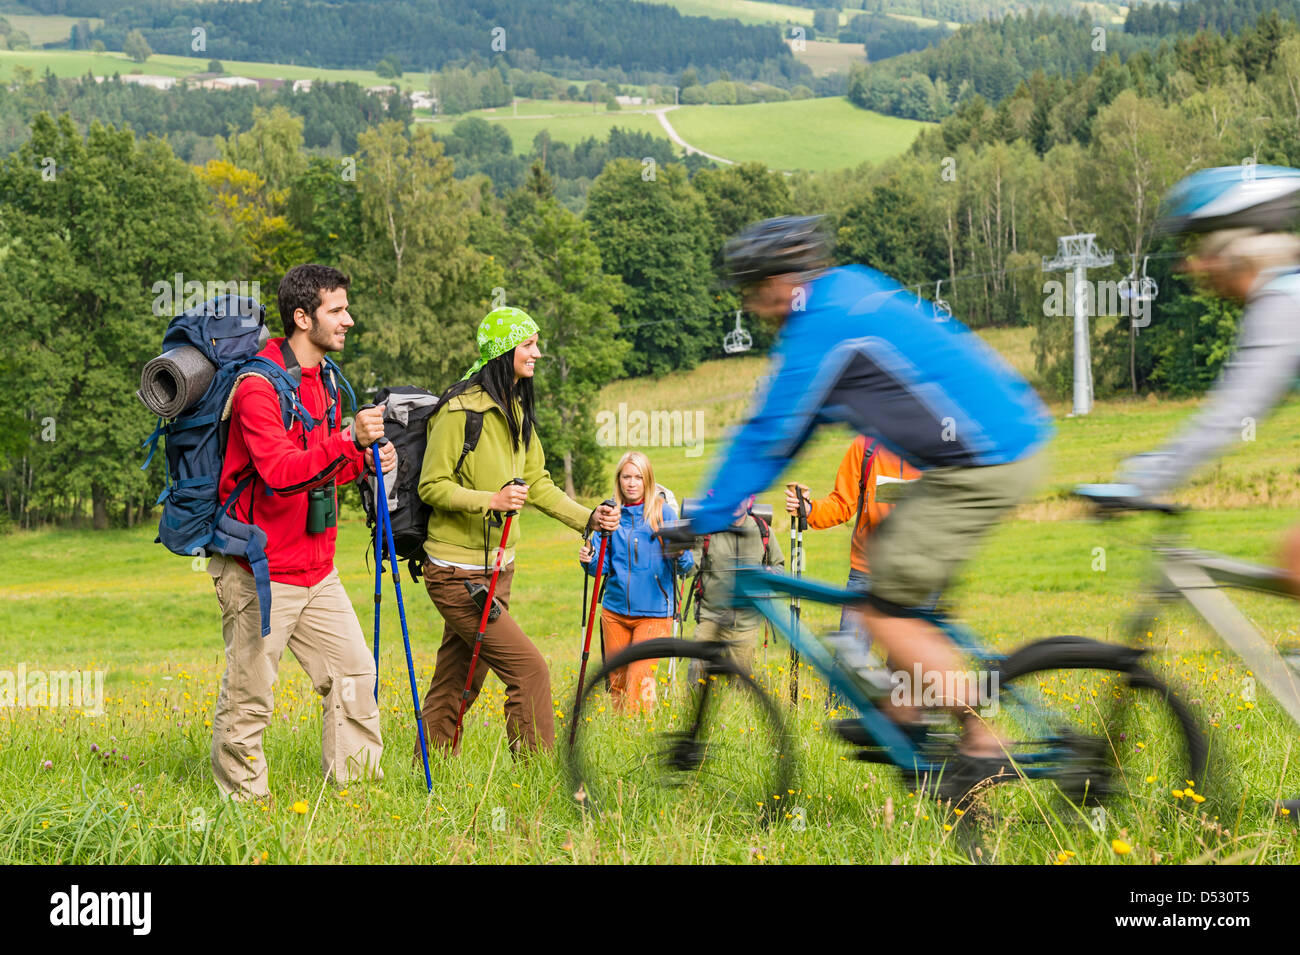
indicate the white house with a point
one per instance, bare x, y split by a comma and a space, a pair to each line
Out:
302, 86
227, 83
146, 79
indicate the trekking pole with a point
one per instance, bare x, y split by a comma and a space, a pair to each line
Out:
379, 571
384, 518
379, 589
586, 642
677, 629
483, 621
798, 524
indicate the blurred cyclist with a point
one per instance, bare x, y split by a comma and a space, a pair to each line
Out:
1234, 220
855, 347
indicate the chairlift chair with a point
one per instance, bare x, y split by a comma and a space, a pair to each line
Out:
737, 340
942, 310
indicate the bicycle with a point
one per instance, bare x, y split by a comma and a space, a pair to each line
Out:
1038, 707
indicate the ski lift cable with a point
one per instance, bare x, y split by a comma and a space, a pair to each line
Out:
1150, 285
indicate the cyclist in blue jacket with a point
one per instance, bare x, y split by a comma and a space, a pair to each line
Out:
857, 347
640, 591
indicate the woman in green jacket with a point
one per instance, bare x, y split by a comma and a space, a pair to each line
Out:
468, 492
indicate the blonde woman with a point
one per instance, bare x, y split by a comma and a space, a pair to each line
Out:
638, 602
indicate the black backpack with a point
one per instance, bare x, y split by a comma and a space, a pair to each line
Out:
406, 425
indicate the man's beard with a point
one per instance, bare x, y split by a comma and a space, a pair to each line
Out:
321, 339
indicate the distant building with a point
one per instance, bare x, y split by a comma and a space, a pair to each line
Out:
227, 83
273, 83
423, 101
302, 86
629, 100
145, 79
380, 90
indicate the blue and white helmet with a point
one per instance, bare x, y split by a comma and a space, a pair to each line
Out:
1266, 198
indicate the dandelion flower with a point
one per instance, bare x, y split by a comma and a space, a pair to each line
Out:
1120, 846
300, 807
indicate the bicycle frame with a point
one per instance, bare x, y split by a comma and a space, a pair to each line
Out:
759, 589
1199, 578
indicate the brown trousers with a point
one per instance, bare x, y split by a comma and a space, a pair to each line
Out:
506, 651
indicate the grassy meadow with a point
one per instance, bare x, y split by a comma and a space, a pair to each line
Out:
134, 785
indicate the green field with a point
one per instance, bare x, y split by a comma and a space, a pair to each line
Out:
78, 63
823, 133
571, 126
116, 601
46, 29
823, 57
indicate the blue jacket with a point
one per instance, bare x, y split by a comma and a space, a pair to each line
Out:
639, 575
863, 352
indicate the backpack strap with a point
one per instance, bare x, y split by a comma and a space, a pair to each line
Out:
473, 431
336, 382
238, 539
868, 455
765, 532
291, 407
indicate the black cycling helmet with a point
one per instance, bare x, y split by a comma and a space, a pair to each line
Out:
775, 247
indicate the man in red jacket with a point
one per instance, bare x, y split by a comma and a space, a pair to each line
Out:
310, 611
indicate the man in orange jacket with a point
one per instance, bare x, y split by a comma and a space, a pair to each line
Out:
855, 492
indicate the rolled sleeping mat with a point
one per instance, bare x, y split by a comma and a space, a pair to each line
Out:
691, 507
175, 380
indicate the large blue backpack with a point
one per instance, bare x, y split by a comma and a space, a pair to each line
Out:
228, 330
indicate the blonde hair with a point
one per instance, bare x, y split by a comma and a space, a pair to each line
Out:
654, 504
1250, 248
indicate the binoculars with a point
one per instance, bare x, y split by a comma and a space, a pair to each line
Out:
321, 511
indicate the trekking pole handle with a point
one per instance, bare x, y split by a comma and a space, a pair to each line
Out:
516, 481
383, 439
805, 506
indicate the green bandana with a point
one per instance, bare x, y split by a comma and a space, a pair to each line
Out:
499, 332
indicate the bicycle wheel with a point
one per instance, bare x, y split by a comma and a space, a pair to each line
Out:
718, 743
1089, 717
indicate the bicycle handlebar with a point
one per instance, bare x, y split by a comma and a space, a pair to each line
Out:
1110, 499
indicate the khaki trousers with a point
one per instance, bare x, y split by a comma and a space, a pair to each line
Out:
740, 643
318, 625
506, 651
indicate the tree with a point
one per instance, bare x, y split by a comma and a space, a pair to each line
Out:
272, 148
136, 47
83, 249
1140, 149
652, 229
214, 66
555, 274
423, 288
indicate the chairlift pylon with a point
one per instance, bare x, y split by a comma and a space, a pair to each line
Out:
737, 340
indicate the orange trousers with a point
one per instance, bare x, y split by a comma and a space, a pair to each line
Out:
632, 688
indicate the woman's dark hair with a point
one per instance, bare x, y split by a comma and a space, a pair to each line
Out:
497, 378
